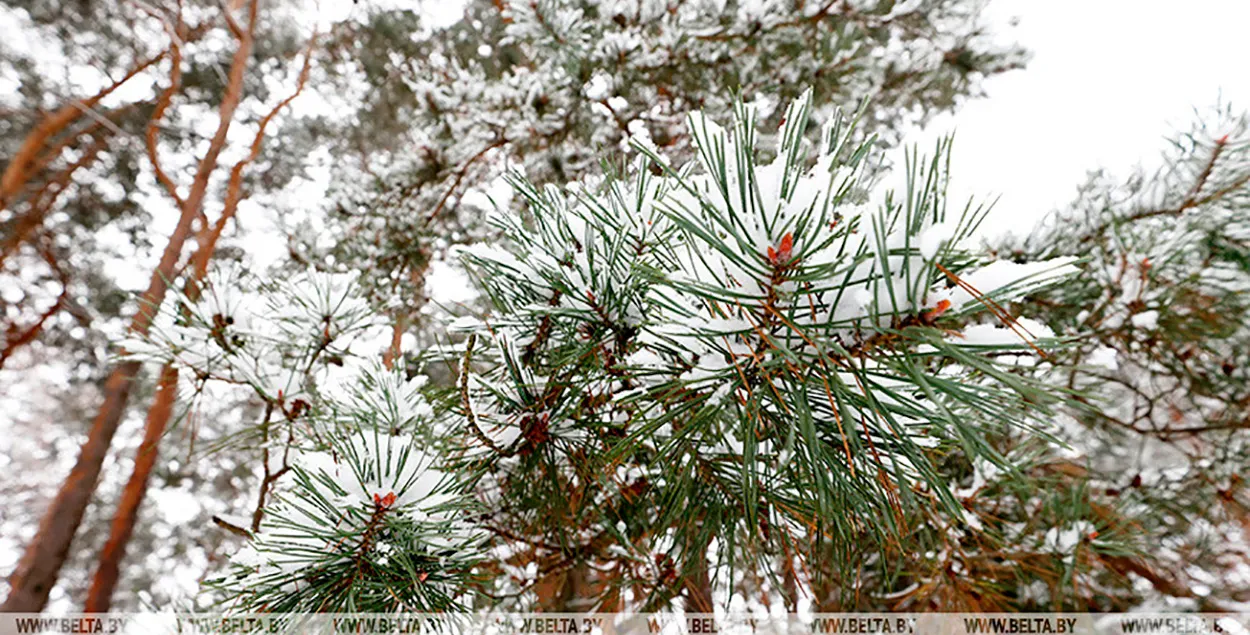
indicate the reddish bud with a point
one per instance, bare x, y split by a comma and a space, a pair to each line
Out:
929, 316
783, 253
535, 428
384, 502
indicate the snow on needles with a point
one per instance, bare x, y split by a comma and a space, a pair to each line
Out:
729, 282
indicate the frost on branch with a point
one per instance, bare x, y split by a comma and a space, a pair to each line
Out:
278, 338
370, 523
357, 507
754, 333
552, 87
1164, 306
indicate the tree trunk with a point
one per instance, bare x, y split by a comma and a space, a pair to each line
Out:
99, 597
104, 583
37, 571
41, 563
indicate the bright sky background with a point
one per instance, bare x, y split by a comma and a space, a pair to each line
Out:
1109, 79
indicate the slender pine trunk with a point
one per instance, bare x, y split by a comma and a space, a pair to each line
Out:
99, 597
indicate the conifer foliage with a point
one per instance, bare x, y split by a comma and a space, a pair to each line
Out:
682, 371
417, 123
715, 361
355, 511
1161, 354
551, 87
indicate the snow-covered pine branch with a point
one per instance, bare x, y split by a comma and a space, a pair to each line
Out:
371, 524
274, 337
357, 507
781, 360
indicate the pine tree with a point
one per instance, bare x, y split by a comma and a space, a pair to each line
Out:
715, 362
687, 374
551, 87
1160, 318
418, 146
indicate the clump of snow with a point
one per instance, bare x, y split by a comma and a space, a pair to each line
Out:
998, 335
371, 466
1146, 319
1004, 276
973, 520
932, 239
1064, 541
1103, 356
598, 88
464, 324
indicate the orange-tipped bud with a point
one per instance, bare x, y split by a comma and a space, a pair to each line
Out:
783, 253
384, 502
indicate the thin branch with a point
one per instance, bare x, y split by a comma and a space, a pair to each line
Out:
1191, 199
17, 172
467, 405
162, 104
234, 188
12, 342
464, 170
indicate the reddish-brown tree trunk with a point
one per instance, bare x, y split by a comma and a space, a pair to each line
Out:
108, 572
99, 597
40, 564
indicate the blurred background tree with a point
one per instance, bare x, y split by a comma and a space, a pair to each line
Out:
1159, 320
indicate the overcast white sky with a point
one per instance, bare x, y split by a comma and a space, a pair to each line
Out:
1109, 79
